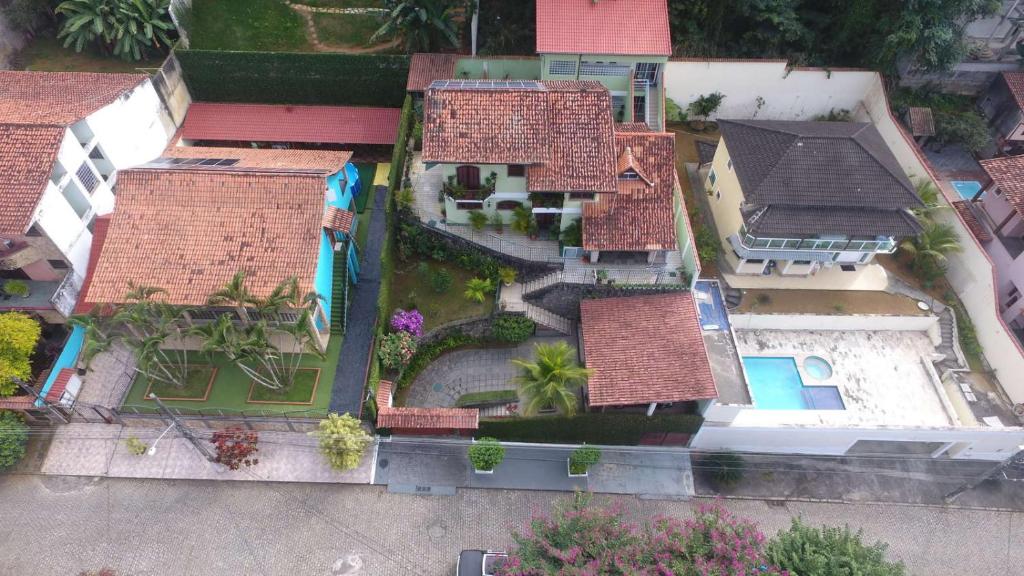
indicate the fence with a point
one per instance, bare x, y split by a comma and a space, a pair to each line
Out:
546, 252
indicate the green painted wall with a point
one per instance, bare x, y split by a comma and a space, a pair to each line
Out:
499, 68
686, 248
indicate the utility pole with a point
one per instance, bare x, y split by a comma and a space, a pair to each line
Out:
1017, 458
185, 430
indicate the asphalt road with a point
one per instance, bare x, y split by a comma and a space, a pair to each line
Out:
62, 525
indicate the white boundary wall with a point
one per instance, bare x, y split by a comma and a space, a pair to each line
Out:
768, 90
828, 322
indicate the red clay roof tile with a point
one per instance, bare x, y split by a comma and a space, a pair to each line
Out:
27, 154
963, 208
59, 98
1008, 174
645, 349
338, 220
99, 237
59, 384
425, 68
422, 418
268, 159
613, 27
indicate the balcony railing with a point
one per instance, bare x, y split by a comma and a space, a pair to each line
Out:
459, 192
750, 242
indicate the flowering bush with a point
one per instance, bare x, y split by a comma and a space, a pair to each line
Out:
235, 447
396, 349
407, 321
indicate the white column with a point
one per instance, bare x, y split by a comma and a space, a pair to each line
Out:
650, 409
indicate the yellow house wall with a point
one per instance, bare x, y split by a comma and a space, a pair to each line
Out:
725, 209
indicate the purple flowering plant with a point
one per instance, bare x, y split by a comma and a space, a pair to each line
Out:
409, 321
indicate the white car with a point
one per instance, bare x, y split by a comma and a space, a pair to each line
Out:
479, 562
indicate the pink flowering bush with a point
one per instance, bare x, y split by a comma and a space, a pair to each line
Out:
409, 321
578, 540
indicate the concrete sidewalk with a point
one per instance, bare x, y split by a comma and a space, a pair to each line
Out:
437, 466
100, 450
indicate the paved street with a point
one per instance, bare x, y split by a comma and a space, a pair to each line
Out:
60, 525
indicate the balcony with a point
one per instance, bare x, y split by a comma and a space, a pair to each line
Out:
40, 297
887, 246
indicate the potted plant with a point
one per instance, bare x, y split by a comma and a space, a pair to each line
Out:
485, 454
521, 218
497, 222
533, 229
477, 219
582, 459
17, 288
507, 275
602, 276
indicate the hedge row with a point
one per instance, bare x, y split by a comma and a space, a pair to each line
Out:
399, 151
295, 78
614, 429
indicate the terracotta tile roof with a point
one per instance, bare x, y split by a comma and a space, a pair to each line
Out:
59, 98
27, 154
645, 349
627, 163
59, 384
639, 216
318, 161
1015, 82
287, 123
922, 123
623, 127
425, 68
190, 231
338, 219
581, 140
619, 27
1008, 174
422, 418
963, 208
17, 403
99, 237
562, 130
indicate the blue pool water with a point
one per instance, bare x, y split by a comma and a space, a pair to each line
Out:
775, 384
966, 188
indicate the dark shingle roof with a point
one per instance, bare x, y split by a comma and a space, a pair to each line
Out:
799, 220
823, 164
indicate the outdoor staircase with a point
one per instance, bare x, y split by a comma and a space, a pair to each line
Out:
339, 293
549, 320
733, 297
541, 283
947, 328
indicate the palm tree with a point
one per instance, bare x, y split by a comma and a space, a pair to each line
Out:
422, 24
930, 247
151, 323
477, 289
98, 334
235, 294
548, 381
929, 196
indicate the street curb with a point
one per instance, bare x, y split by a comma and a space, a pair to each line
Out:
855, 502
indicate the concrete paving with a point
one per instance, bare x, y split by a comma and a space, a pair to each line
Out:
100, 450
59, 526
406, 463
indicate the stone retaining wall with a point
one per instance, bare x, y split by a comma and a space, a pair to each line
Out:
564, 299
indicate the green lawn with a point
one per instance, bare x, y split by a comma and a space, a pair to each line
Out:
197, 382
47, 54
230, 389
268, 25
409, 290
366, 174
300, 392
343, 3
363, 228
346, 29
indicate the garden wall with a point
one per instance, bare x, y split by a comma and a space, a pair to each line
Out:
564, 299
295, 78
831, 322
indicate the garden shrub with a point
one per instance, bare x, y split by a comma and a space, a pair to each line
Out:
512, 328
507, 275
395, 350
708, 245
297, 78
477, 289
486, 454
410, 321
829, 551
441, 280
135, 446
590, 428
13, 437
477, 219
429, 352
18, 336
724, 468
399, 151
343, 441
235, 447
412, 239
583, 458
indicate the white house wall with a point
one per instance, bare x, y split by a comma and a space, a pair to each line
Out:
832, 322
134, 129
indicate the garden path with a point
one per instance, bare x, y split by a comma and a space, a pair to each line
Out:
354, 360
465, 371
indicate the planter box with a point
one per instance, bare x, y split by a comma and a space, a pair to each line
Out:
568, 468
475, 471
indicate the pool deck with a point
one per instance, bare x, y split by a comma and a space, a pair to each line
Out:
881, 376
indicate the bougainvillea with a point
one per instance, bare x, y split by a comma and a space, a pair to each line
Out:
235, 447
582, 541
396, 349
410, 321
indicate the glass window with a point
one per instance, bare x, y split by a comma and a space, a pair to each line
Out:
802, 262
791, 244
822, 244
855, 245
729, 164
712, 177
516, 171
754, 261
870, 246
748, 240
761, 242
562, 67
807, 244
776, 243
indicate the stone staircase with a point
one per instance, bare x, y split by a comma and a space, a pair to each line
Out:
541, 283
339, 293
947, 329
549, 319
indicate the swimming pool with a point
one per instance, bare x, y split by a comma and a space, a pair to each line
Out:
817, 367
966, 188
775, 384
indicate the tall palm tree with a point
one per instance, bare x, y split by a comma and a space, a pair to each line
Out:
235, 294
422, 24
548, 381
929, 196
930, 247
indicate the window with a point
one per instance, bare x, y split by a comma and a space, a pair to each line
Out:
603, 69
718, 194
468, 176
802, 262
516, 171
507, 205
729, 164
629, 175
58, 264
712, 177
34, 231
581, 195
87, 177
469, 204
754, 261
562, 67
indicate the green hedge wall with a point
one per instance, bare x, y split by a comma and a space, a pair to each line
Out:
613, 429
295, 78
399, 150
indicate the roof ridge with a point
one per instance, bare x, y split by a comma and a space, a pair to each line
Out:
913, 192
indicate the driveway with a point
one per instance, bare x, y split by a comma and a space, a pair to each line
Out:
465, 371
59, 526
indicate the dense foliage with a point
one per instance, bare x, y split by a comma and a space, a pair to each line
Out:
297, 78
131, 29
13, 437
486, 453
413, 239
342, 441
395, 350
591, 428
235, 447
583, 458
550, 380
829, 551
866, 33
423, 25
18, 336
512, 328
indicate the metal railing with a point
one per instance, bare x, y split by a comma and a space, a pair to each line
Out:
66, 295
497, 243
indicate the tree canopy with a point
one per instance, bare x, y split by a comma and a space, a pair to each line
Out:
18, 336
